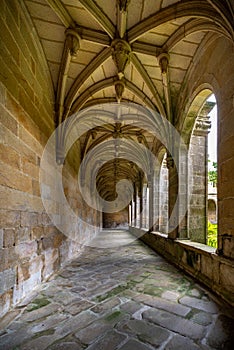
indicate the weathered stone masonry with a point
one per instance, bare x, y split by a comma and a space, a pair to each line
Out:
31, 248
169, 58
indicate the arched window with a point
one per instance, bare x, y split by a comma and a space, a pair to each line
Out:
212, 177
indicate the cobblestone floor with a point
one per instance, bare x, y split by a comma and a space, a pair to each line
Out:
125, 298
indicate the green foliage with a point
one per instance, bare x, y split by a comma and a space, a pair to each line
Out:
212, 174
212, 235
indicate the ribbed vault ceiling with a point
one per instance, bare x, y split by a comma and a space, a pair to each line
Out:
130, 50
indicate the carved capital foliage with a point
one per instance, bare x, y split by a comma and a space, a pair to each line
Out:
73, 41
163, 60
120, 54
203, 123
170, 162
139, 137
202, 126
123, 4
119, 89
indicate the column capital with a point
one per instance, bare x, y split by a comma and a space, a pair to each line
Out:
123, 5
163, 60
170, 162
202, 126
73, 41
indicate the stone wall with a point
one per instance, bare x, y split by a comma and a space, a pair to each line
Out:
31, 247
116, 220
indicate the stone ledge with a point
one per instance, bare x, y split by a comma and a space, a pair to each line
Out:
196, 246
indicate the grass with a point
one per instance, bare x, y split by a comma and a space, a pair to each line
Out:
212, 235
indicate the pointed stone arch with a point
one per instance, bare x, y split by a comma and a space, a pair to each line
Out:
179, 10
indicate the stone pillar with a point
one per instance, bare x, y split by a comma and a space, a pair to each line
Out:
225, 184
147, 208
138, 223
141, 204
172, 197
151, 201
145, 203
183, 194
135, 205
163, 198
130, 213
156, 200
133, 211
198, 180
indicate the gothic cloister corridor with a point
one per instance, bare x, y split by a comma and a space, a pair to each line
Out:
128, 298
106, 115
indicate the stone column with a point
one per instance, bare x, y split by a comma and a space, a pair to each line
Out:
144, 200
147, 208
198, 180
141, 204
163, 198
156, 201
172, 196
183, 194
151, 200
135, 205
138, 224
130, 213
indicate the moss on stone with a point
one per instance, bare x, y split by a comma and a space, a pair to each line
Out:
151, 290
111, 293
113, 316
42, 333
37, 304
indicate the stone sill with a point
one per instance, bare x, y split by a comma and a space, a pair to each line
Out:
197, 247
160, 234
189, 245
187, 242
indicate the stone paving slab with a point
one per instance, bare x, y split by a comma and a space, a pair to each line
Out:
76, 308
106, 305
88, 334
10, 316
75, 323
125, 298
109, 341
207, 306
180, 342
166, 305
42, 312
66, 346
174, 323
136, 345
146, 332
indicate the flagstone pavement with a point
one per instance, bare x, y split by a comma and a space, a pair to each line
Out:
125, 298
